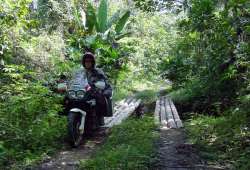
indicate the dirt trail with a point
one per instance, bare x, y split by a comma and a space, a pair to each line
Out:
68, 158
174, 153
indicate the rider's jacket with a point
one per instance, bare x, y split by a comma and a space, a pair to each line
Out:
97, 74
93, 76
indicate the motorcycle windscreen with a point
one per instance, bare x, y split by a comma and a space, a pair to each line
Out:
79, 81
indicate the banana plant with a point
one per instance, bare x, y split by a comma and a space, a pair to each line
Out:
99, 20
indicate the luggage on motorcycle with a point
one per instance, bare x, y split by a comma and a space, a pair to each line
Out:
104, 105
108, 99
109, 107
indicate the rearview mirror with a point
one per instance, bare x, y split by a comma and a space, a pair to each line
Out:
62, 87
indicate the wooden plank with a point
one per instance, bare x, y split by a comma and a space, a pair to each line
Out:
129, 100
175, 114
124, 113
132, 102
118, 106
107, 120
125, 105
169, 116
162, 111
137, 104
128, 111
171, 120
166, 113
121, 116
157, 112
120, 102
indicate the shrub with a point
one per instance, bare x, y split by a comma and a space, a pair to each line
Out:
29, 124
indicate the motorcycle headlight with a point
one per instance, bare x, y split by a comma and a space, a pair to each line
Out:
80, 94
72, 94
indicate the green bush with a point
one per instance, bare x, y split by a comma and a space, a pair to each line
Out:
29, 123
209, 60
224, 139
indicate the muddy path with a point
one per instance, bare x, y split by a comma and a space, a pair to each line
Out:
69, 158
175, 153
173, 150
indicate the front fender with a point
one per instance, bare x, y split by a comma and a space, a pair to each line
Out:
76, 110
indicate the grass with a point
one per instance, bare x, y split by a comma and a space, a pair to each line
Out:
142, 89
121, 93
224, 140
130, 146
147, 96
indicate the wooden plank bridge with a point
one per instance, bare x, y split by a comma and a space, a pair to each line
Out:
122, 110
166, 114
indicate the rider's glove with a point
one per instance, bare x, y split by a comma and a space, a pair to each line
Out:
100, 85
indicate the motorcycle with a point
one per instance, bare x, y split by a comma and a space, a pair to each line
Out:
80, 107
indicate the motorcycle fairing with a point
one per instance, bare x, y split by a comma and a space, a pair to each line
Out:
78, 81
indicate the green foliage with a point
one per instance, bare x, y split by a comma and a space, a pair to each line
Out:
152, 39
99, 19
91, 18
146, 5
29, 121
12, 21
55, 15
147, 96
102, 16
166, 6
121, 23
103, 39
130, 146
209, 68
206, 57
223, 139
209, 58
49, 40
114, 18
43, 51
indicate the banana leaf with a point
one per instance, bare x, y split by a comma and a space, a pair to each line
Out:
90, 18
102, 16
120, 36
122, 21
114, 19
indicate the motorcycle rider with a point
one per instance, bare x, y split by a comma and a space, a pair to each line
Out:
103, 97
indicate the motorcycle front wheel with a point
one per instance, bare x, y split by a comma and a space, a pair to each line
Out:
74, 122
